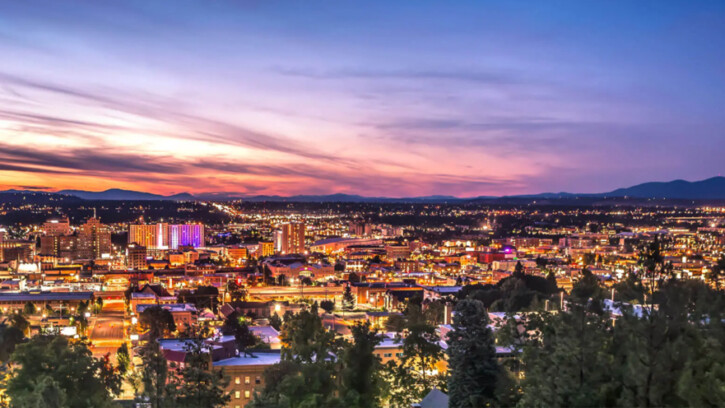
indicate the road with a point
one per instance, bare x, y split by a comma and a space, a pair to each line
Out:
281, 292
107, 332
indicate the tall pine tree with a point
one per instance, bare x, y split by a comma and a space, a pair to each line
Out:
472, 358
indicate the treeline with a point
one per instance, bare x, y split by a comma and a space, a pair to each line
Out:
659, 343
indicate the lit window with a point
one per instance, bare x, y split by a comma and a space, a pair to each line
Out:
247, 394
246, 380
236, 394
237, 381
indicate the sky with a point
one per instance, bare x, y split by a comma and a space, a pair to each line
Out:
378, 98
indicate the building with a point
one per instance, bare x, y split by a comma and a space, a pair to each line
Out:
184, 314
246, 374
266, 248
136, 256
395, 252
290, 239
166, 236
16, 250
94, 240
56, 227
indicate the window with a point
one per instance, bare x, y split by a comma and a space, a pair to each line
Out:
388, 355
257, 380
237, 380
246, 380
247, 394
236, 394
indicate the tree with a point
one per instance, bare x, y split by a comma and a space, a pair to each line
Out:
237, 293
52, 368
348, 300
29, 309
197, 384
328, 306
243, 337
158, 321
411, 379
566, 358
123, 358
472, 358
395, 323
587, 287
306, 339
360, 382
306, 375
45, 393
518, 270
154, 375
10, 337
275, 321
19, 322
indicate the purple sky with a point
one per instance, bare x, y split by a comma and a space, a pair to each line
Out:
377, 98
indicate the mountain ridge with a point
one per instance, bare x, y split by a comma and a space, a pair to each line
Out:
708, 189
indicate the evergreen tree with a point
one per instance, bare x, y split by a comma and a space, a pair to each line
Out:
415, 375
275, 321
197, 384
10, 337
305, 377
360, 382
348, 299
52, 367
123, 358
472, 358
243, 337
154, 376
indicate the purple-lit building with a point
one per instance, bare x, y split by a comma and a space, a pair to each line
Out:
186, 235
166, 236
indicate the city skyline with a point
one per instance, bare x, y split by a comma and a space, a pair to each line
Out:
387, 100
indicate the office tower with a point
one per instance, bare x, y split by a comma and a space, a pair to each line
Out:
94, 239
292, 239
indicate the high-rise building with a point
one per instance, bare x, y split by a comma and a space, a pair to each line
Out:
186, 235
291, 238
94, 239
166, 236
56, 227
266, 248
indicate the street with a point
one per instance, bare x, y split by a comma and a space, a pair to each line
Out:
107, 332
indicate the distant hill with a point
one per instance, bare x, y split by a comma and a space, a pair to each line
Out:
119, 194
709, 189
350, 198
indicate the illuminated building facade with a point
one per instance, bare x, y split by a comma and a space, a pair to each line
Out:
166, 236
